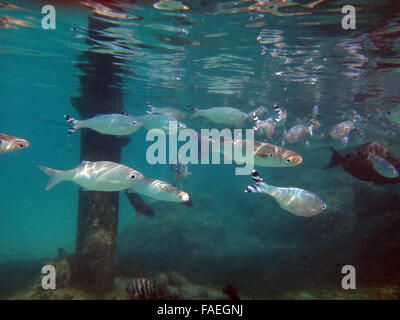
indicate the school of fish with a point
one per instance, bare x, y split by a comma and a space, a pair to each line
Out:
371, 161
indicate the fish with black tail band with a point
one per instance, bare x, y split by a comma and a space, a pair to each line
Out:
142, 207
112, 124
295, 200
266, 127
95, 176
281, 116
141, 288
221, 115
10, 143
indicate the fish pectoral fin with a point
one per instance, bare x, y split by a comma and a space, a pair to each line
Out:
84, 189
138, 213
130, 190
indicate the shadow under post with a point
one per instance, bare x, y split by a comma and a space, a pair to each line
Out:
93, 267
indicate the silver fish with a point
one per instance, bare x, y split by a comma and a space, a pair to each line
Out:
264, 154
180, 171
159, 190
315, 111
112, 124
298, 133
169, 112
383, 166
264, 127
161, 121
295, 200
260, 112
281, 115
95, 176
10, 143
342, 130
222, 115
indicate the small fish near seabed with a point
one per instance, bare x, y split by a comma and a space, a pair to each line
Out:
141, 206
264, 154
112, 124
167, 111
95, 176
221, 115
231, 292
10, 143
358, 163
295, 200
141, 289
161, 190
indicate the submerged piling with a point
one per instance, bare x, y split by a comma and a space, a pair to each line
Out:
93, 268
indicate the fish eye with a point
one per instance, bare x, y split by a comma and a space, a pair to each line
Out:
288, 160
20, 145
132, 176
133, 122
388, 113
323, 206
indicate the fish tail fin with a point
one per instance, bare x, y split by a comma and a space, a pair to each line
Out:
54, 177
73, 122
336, 159
279, 114
255, 121
255, 188
310, 129
193, 111
150, 107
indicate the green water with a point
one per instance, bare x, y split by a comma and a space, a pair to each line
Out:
207, 56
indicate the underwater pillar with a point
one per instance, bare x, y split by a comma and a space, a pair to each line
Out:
93, 267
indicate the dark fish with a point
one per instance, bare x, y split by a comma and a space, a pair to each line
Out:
141, 206
357, 162
141, 289
231, 292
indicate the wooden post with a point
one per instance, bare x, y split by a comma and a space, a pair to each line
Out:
93, 268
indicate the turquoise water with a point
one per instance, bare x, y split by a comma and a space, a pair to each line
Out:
214, 54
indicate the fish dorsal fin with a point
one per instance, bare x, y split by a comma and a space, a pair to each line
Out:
85, 162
